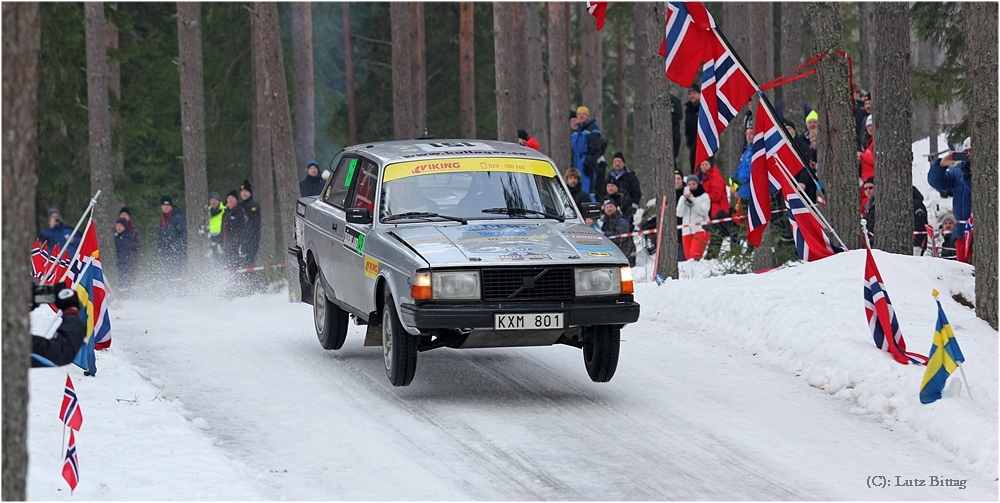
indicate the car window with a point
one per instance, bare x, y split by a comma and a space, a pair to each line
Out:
362, 193
336, 190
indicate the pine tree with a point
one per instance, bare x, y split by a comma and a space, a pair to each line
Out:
303, 85
558, 73
467, 69
836, 125
892, 143
193, 127
21, 41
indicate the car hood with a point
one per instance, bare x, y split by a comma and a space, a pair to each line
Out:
508, 243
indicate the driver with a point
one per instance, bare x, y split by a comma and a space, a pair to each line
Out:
405, 197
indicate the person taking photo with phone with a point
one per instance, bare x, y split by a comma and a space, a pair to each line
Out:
953, 172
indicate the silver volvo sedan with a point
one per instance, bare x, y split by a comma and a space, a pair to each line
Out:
459, 244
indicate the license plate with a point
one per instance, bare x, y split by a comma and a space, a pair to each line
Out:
528, 321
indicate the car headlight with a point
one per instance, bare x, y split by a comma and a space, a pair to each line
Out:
598, 281
455, 285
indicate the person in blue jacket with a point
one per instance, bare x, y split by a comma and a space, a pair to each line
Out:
742, 174
948, 174
57, 233
589, 146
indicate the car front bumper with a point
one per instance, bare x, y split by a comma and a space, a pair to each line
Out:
480, 315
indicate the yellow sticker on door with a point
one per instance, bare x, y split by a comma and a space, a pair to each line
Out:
371, 267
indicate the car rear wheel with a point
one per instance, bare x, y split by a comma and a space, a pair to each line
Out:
600, 355
330, 319
399, 348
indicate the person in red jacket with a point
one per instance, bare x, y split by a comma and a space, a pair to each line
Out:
711, 179
523, 138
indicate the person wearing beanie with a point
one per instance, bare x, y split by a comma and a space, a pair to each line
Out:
693, 208
589, 146
612, 223
57, 233
250, 246
812, 120
573, 183
235, 224
628, 183
216, 212
868, 206
946, 237
126, 252
313, 183
713, 184
172, 242
524, 139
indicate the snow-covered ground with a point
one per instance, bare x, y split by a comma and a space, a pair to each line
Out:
741, 387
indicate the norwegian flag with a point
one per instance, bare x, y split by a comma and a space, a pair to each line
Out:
967, 242
70, 412
598, 9
725, 89
811, 243
689, 33
39, 259
769, 150
86, 276
71, 467
882, 318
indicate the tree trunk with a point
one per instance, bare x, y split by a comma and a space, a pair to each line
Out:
981, 73
762, 66
641, 95
655, 126
893, 144
21, 43
535, 79
193, 129
263, 178
793, 93
867, 44
418, 73
736, 21
99, 122
115, 86
303, 82
402, 100
352, 114
621, 92
467, 69
836, 125
280, 122
558, 50
508, 28
592, 65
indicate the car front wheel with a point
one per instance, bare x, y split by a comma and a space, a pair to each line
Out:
600, 354
330, 319
399, 348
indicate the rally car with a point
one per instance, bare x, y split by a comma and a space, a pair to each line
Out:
459, 244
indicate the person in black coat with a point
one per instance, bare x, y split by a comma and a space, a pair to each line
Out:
919, 220
313, 183
691, 121
676, 114
628, 183
62, 348
235, 224
172, 243
252, 210
126, 251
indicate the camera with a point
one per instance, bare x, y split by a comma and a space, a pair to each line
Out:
960, 156
43, 294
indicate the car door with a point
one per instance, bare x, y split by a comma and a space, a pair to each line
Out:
358, 269
331, 219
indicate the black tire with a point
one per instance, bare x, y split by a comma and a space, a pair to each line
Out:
399, 348
329, 319
600, 355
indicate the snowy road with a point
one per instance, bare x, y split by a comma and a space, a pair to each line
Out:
684, 418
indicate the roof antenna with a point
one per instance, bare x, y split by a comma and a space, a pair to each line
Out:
426, 136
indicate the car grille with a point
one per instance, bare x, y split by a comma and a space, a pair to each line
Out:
508, 283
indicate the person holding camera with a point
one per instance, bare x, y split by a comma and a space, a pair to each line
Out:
954, 172
62, 348
57, 233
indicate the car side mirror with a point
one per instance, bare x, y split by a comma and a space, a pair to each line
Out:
590, 210
359, 216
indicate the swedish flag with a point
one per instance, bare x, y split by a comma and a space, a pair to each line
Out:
943, 360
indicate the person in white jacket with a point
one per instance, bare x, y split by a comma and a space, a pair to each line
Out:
693, 209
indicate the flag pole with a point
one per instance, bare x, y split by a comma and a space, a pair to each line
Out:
93, 202
810, 205
63, 444
968, 388
659, 237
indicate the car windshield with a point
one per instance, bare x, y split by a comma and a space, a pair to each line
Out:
480, 189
